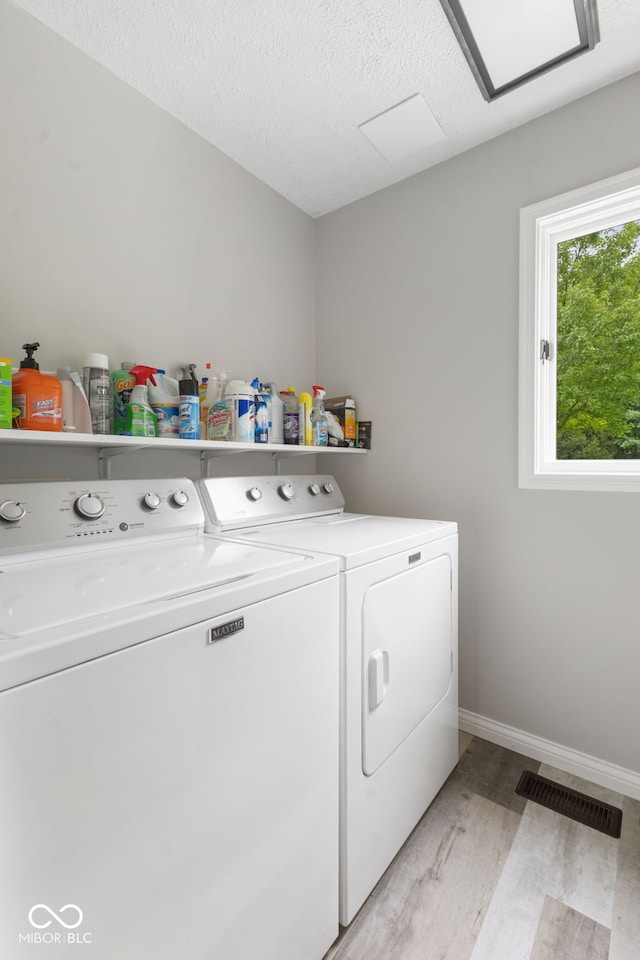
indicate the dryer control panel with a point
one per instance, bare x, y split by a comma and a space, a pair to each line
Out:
235, 502
45, 516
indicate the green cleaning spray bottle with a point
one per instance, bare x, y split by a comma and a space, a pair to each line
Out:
141, 420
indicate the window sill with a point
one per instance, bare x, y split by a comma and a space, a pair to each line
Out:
590, 475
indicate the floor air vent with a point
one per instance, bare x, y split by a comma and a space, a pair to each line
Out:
570, 803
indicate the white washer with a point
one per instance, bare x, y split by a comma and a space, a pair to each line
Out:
399, 689
168, 732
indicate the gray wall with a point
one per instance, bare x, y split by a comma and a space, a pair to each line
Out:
418, 316
122, 232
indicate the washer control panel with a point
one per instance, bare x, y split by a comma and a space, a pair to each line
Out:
234, 502
41, 516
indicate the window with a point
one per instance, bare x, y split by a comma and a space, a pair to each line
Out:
580, 339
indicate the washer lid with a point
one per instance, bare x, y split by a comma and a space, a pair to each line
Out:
355, 538
44, 594
62, 613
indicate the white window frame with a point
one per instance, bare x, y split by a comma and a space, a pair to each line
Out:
542, 226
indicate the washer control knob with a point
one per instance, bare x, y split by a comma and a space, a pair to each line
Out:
314, 489
89, 506
255, 493
286, 491
12, 511
180, 498
328, 487
151, 500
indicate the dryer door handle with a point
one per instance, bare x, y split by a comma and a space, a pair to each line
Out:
378, 677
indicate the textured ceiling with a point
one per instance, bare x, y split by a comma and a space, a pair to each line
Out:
282, 85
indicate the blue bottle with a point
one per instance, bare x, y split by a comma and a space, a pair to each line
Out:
262, 414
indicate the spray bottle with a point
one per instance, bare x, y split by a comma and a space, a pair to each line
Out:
215, 416
207, 401
141, 420
319, 428
189, 426
206, 391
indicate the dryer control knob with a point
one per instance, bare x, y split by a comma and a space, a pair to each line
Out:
89, 506
151, 500
180, 498
328, 487
12, 511
314, 489
255, 493
286, 491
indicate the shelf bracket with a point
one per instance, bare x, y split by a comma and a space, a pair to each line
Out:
302, 451
204, 464
106, 455
207, 455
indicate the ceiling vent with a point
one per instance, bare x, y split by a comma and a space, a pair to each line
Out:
403, 130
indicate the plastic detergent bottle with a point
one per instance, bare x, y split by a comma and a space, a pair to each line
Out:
141, 420
218, 421
6, 405
304, 418
76, 415
290, 414
241, 400
122, 383
189, 417
319, 429
206, 402
37, 396
276, 414
164, 398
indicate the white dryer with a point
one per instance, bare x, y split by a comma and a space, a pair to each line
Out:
398, 626
168, 732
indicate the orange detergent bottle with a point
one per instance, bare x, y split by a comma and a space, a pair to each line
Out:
38, 396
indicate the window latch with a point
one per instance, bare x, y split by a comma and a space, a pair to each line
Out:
545, 350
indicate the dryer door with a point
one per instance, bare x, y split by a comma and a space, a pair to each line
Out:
406, 657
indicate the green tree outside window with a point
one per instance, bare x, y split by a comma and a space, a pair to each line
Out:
598, 345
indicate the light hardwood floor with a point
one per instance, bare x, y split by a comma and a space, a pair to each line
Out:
487, 875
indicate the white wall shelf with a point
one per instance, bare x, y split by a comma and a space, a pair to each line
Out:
108, 447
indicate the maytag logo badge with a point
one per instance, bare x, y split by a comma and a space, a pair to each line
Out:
226, 629
414, 557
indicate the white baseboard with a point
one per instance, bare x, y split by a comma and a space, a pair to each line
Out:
564, 758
